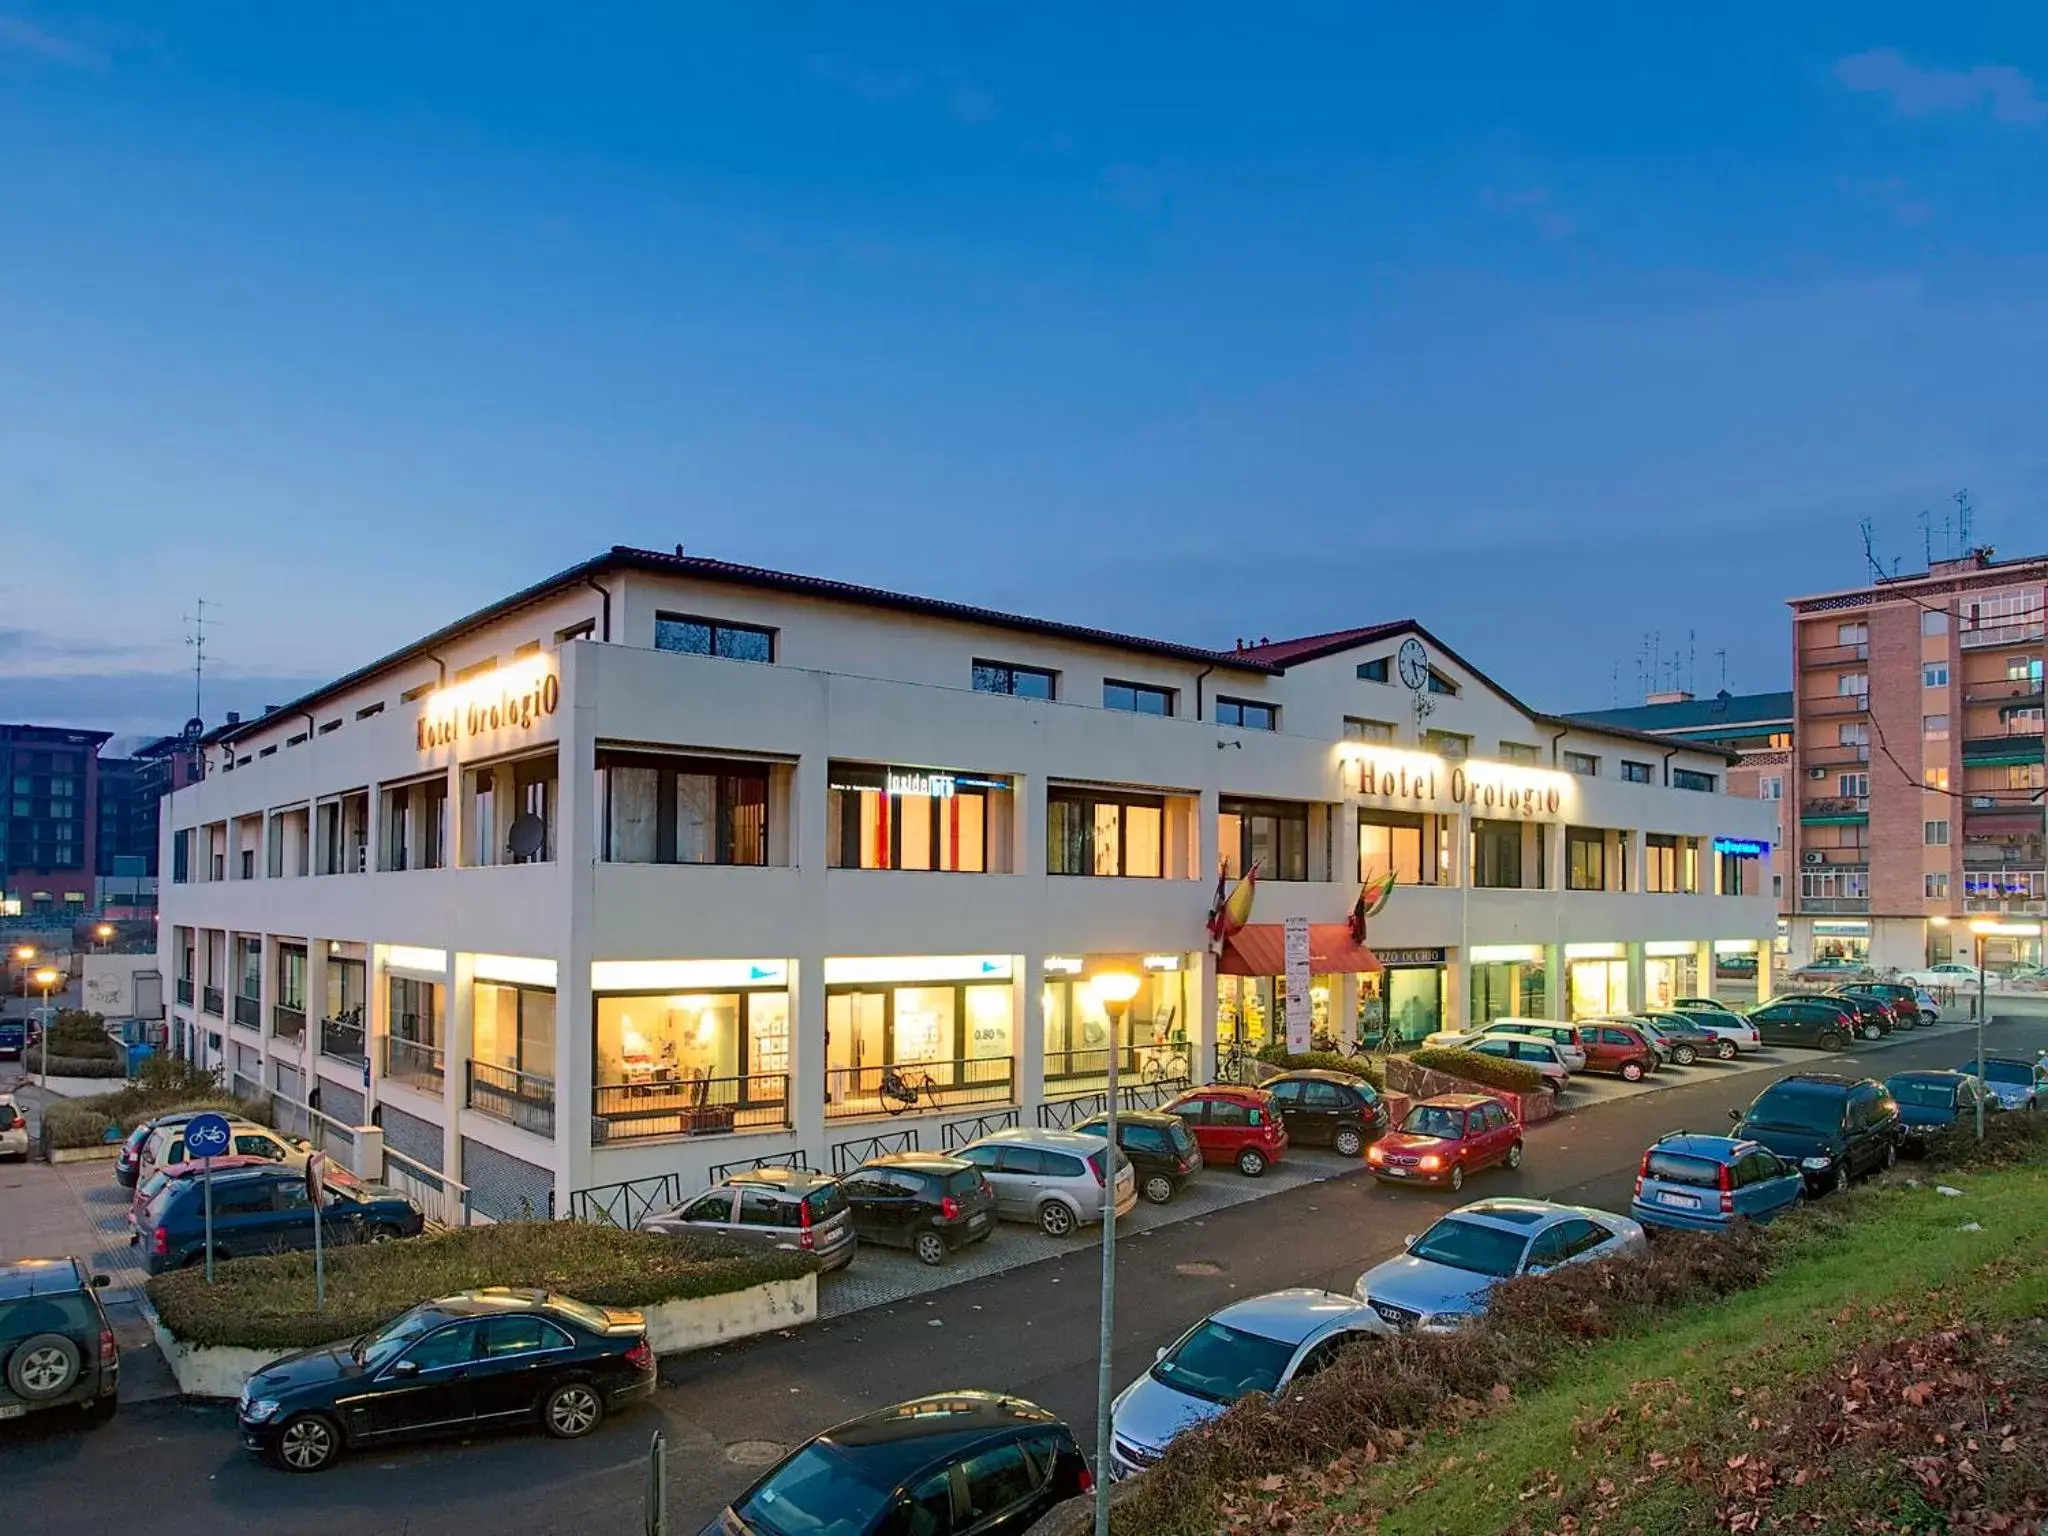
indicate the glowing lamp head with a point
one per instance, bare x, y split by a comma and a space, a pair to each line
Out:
46, 977
26, 953
1115, 988
104, 930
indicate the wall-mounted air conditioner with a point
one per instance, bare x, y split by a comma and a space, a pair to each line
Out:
1814, 858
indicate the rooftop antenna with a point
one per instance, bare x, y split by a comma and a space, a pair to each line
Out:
1722, 654
196, 638
1614, 687
1963, 517
1692, 656
1927, 537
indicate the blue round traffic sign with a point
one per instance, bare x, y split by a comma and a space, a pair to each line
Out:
207, 1135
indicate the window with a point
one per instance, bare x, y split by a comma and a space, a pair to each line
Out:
1934, 622
1518, 752
1934, 675
2023, 669
1937, 833
1018, 682
901, 818
1252, 716
514, 1028
713, 637
2005, 617
998, 1479
1851, 683
1937, 886
1415, 848
1661, 863
2025, 776
516, 1335
2018, 722
1091, 832
1634, 773
1582, 763
1855, 734
1585, 859
1935, 778
1772, 788
1731, 874
1356, 728
1692, 778
453, 1345
1378, 670
1854, 786
1934, 727
1447, 744
1852, 634
1497, 855
1272, 835
1438, 683
1137, 698
181, 856
681, 810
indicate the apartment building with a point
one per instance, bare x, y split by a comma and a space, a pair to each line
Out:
49, 788
1918, 762
664, 864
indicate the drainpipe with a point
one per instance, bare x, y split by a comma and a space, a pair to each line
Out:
1667, 766
605, 593
441, 677
1198, 688
1554, 741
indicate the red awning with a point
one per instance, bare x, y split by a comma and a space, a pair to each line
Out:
1260, 949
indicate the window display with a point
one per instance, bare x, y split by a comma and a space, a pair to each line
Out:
690, 1037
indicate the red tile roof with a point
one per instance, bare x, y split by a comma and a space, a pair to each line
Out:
1282, 653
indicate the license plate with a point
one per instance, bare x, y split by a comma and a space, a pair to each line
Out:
1689, 1202
12, 1411
979, 1219
1399, 1173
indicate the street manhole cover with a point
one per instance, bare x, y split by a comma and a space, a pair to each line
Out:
1198, 1269
755, 1453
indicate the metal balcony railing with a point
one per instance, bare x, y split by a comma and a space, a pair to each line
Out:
287, 1023
1060, 1065
526, 1099
248, 1011
212, 1001
1834, 655
703, 1106
1836, 704
342, 1038
185, 990
1835, 805
413, 1061
917, 1086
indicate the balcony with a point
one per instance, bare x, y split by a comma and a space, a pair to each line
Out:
704, 1106
1829, 704
525, 1099
1846, 755
1826, 904
1999, 751
342, 1038
185, 990
916, 1085
2009, 692
1835, 858
1833, 656
415, 1063
287, 1023
248, 1012
1835, 811
212, 1001
1978, 637
2005, 884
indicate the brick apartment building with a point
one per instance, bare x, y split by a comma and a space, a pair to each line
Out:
49, 789
1917, 763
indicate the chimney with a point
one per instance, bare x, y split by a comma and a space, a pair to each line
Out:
234, 717
1669, 696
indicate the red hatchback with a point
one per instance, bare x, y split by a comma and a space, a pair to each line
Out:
1442, 1139
1233, 1125
1621, 1049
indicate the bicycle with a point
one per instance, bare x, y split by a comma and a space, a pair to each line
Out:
900, 1093
1167, 1064
1233, 1063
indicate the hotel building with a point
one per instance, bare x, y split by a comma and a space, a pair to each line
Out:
665, 864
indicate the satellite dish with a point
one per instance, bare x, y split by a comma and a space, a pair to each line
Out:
528, 836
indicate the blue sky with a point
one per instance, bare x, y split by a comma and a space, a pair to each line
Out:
1549, 326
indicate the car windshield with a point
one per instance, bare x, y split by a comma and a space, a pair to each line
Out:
825, 1202
1787, 1109
1469, 1246
1919, 1091
2001, 1071
817, 1492
1434, 1120
373, 1349
1223, 1364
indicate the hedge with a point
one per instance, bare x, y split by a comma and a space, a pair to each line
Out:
76, 1066
267, 1303
1474, 1067
1324, 1061
165, 1084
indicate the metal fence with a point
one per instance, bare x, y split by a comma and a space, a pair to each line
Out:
848, 1155
917, 1085
795, 1157
524, 1098
704, 1106
444, 1200
958, 1133
626, 1204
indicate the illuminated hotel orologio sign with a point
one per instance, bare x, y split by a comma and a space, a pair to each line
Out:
515, 699
1422, 781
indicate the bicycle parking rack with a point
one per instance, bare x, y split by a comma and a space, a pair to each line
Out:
848, 1155
958, 1133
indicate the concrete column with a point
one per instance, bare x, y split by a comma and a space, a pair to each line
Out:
575, 882
1705, 966
1457, 1003
316, 1009
458, 1027
1202, 1004
1763, 971
1030, 1016
1344, 1008
1027, 856
1637, 992
267, 993
1554, 982
807, 1052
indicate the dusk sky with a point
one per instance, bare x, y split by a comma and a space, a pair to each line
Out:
1548, 326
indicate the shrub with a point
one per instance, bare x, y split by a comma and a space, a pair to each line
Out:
267, 1303
165, 1084
2009, 1139
1323, 1061
1491, 1071
77, 1066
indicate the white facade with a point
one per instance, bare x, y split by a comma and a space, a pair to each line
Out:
788, 983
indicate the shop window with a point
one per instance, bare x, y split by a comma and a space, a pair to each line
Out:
1585, 859
1357, 728
1510, 989
1247, 713
1400, 1005
1008, 678
415, 1012
1736, 879
1077, 1028
1582, 763
960, 1035
1692, 778
1518, 752
1094, 833
1273, 835
513, 1028
1598, 988
1452, 745
1634, 773
713, 637
1137, 698
679, 1039
657, 809
913, 819
1415, 848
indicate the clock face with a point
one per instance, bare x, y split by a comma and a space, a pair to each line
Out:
1414, 664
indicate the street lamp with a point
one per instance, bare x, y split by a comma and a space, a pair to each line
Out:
46, 978
103, 933
1988, 928
1114, 991
25, 956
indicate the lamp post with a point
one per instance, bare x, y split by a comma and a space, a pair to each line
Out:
1114, 992
1982, 929
25, 957
102, 935
46, 978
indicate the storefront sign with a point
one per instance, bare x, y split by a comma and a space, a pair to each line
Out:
906, 781
1295, 934
1063, 965
884, 968
1410, 956
515, 699
1162, 962
1857, 928
686, 975
1741, 847
1424, 781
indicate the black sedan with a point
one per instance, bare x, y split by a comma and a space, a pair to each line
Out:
478, 1360
1160, 1147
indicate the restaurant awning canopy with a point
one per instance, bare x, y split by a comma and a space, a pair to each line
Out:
1260, 949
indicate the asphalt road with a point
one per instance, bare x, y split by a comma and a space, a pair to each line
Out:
170, 1469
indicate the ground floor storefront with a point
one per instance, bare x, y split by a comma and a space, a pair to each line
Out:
1912, 943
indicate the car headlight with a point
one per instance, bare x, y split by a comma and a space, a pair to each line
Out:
261, 1411
1818, 1164
1444, 1322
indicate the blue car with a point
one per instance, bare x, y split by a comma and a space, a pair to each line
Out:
2018, 1083
1930, 1100
267, 1210
1704, 1183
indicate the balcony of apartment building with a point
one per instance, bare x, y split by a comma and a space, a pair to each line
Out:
412, 1050
2017, 744
2005, 889
510, 1074
341, 1020
1850, 755
1836, 810
511, 811
1830, 705
341, 834
1826, 888
288, 1013
1816, 657
249, 983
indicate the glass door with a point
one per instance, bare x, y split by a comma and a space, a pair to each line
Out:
854, 1031
1414, 998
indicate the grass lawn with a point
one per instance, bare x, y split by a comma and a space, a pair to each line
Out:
1892, 1369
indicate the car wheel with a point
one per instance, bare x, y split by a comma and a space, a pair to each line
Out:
307, 1442
1684, 1055
1054, 1219
1891, 1155
1457, 1179
1348, 1141
1632, 1071
1830, 1041
1251, 1162
572, 1410
1515, 1155
381, 1234
1158, 1188
1872, 1032
1841, 1177
1725, 1050
44, 1365
930, 1248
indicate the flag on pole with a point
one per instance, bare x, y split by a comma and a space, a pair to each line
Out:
1371, 898
1230, 913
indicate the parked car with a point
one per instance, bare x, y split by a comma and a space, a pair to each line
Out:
1905, 1003
954, 1461
1546, 1058
1442, 1139
1874, 1018
1704, 1005
128, 1161
57, 1347
929, 1203
1159, 1145
1684, 1042
1261, 1344
266, 1210
13, 1129
1822, 1023
1446, 1275
1930, 1100
1832, 969
1618, 1047
1731, 1029
153, 1185
790, 1209
484, 1359
1952, 973
1054, 1178
2019, 1083
166, 1144
1564, 1036
14, 1042
1833, 1127
1339, 1110
1705, 1183
1233, 1125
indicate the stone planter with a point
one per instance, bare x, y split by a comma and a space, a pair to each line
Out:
1423, 1083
